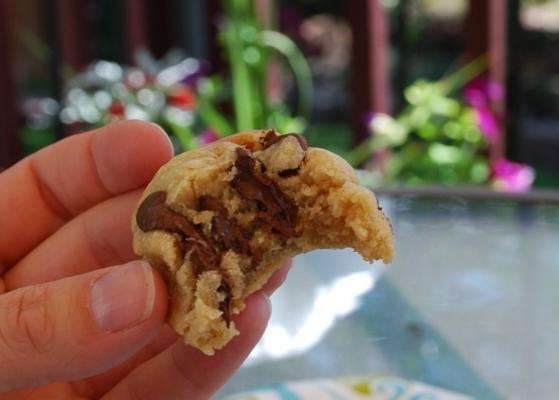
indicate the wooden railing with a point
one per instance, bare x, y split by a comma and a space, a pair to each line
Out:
487, 25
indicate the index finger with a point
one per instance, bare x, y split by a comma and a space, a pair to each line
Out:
43, 191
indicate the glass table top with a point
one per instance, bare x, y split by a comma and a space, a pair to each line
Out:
470, 304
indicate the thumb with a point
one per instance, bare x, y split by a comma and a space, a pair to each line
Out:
79, 326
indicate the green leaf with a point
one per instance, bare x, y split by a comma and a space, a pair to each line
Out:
453, 130
473, 135
184, 135
479, 172
428, 131
298, 64
210, 87
445, 107
443, 154
212, 118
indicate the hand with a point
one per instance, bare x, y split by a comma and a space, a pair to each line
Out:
79, 317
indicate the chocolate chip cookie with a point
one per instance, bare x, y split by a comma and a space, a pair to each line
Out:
217, 222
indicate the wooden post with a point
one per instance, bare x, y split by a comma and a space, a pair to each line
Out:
10, 149
401, 42
194, 29
265, 13
135, 27
161, 25
73, 33
215, 53
266, 16
49, 9
369, 81
486, 33
514, 86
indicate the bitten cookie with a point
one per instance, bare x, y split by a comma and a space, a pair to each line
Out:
217, 222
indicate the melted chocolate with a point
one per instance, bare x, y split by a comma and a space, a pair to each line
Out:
226, 232
225, 304
287, 173
274, 208
153, 214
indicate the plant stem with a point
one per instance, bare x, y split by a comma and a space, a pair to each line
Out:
464, 75
184, 135
213, 118
241, 82
298, 64
359, 153
364, 150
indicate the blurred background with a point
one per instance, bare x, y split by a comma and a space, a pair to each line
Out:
425, 92
435, 97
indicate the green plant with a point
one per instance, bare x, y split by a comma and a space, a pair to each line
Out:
436, 138
180, 95
249, 50
443, 136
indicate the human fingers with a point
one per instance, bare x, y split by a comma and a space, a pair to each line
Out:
97, 238
53, 185
184, 372
79, 326
277, 278
95, 386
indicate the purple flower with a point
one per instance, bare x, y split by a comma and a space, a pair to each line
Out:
193, 78
367, 118
207, 137
488, 124
512, 177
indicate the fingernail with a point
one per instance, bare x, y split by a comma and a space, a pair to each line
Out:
123, 297
268, 303
164, 133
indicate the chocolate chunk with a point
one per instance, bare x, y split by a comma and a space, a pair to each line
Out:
286, 173
269, 137
226, 232
272, 138
225, 304
211, 204
274, 207
153, 214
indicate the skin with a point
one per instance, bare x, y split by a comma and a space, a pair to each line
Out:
65, 225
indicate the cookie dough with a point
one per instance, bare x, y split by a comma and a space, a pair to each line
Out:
218, 221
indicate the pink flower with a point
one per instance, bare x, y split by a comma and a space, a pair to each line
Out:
488, 124
479, 93
207, 137
512, 177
